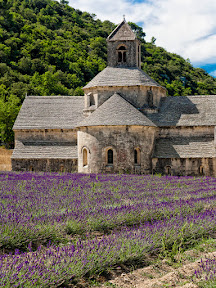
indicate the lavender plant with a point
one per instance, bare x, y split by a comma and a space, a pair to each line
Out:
135, 215
206, 273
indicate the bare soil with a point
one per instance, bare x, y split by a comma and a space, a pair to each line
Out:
163, 273
5, 159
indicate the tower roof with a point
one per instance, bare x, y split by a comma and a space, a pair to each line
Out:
122, 32
121, 76
114, 112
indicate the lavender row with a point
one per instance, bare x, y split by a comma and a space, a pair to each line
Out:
53, 266
46, 207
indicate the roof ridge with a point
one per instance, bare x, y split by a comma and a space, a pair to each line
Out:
53, 96
115, 31
116, 111
117, 27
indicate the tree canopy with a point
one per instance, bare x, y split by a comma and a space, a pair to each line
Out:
50, 48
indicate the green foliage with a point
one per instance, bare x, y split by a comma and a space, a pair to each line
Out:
49, 48
177, 75
46, 48
8, 113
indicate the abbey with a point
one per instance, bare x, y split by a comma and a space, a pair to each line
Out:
124, 123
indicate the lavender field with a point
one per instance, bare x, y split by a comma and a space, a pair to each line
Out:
56, 228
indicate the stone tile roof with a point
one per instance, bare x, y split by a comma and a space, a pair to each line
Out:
122, 32
186, 111
50, 112
121, 76
190, 147
44, 150
116, 111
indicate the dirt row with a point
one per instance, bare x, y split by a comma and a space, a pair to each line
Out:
162, 274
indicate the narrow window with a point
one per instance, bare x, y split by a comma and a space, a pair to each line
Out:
61, 168
119, 56
124, 56
31, 169
92, 100
150, 98
85, 157
138, 62
110, 156
201, 170
137, 156
168, 170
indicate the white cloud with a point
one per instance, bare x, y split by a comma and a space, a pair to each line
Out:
114, 10
185, 27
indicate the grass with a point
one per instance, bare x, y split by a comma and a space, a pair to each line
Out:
5, 159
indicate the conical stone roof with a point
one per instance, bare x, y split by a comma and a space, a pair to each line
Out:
116, 111
119, 76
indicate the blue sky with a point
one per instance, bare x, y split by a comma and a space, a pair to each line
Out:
185, 27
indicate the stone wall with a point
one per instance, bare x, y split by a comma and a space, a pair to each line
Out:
47, 135
122, 140
48, 165
136, 95
193, 131
132, 59
51, 137
183, 167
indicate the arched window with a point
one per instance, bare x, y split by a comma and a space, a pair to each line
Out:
85, 157
61, 168
122, 48
168, 170
110, 156
137, 156
122, 54
31, 169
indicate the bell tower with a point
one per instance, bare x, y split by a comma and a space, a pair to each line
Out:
124, 49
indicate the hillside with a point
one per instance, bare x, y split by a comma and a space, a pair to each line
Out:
49, 48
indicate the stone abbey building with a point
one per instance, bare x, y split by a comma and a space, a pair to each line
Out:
123, 124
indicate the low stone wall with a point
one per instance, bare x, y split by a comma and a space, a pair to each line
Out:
48, 165
48, 135
185, 167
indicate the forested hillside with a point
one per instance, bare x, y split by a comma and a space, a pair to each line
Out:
49, 48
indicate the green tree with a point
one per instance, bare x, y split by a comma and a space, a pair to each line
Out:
8, 114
